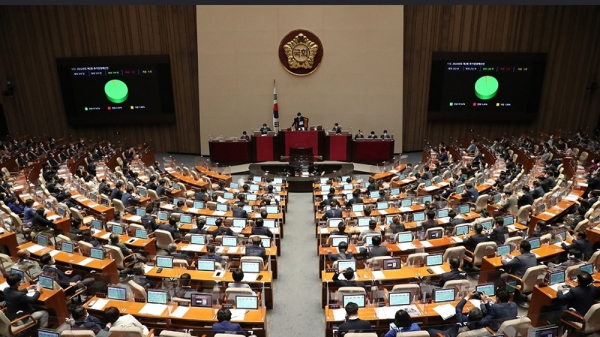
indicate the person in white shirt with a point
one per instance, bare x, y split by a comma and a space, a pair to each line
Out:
238, 276
114, 318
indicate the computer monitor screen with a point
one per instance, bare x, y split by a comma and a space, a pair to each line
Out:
116, 293
18, 271
481, 181
435, 234
97, 253
395, 191
503, 250
588, 268
254, 187
163, 216
323, 180
358, 207
42, 240
487, 224
278, 180
185, 219
359, 299
230, 241
382, 205
443, 295
462, 229
349, 196
246, 302
406, 203
535, 243
405, 237
256, 179
497, 198
142, 192
117, 229
335, 241
266, 242
272, 209
66, 247
96, 224
175, 186
247, 208
47, 333
164, 261
234, 185
374, 194
201, 300
251, 197
49, 204
250, 267
140, 212
399, 299
541, 208
363, 222
157, 296
46, 282
402, 176
343, 265
488, 289
239, 223
427, 183
442, 213
464, 209
104, 202
206, 265
393, 263
269, 223
210, 221
460, 189
199, 204
197, 239
61, 212
369, 239
348, 187
344, 178
419, 216
549, 331
509, 220
389, 219
434, 260
141, 234
426, 199
222, 207
562, 234
558, 277
175, 201
228, 195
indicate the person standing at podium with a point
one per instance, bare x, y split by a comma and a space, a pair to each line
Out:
299, 122
264, 129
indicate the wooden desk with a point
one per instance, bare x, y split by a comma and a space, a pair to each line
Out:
265, 285
215, 177
106, 266
372, 150
388, 175
396, 276
228, 214
108, 213
148, 245
551, 214
185, 179
200, 319
247, 231
9, 239
593, 234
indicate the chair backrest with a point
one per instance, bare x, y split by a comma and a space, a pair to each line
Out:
434, 229
481, 202
77, 333
592, 319
360, 334
545, 238
376, 261
523, 214
514, 241
16, 222
472, 333
518, 324
233, 293
482, 250
458, 252
4, 325
532, 277
349, 291
180, 263
117, 255
85, 247
461, 286
413, 288
163, 238
64, 208
153, 196
581, 225
411, 334
595, 259
126, 331
118, 205
169, 333
258, 259
416, 259
138, 290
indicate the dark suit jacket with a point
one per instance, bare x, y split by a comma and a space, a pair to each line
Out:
129, 200
262, 231
579, 298
239, 213
90, 323
378, 251
63, 279
332, 213
583, 245
452, 275
228, 327
499, 312
174, 231
521, 263
472, 242
41, 221
116, 194
538, 192
355, 325
17, 300
525, 199
498, 234
429, 224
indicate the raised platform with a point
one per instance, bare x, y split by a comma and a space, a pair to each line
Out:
296, 182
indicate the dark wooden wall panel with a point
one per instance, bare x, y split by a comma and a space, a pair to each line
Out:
34, 36
569, 34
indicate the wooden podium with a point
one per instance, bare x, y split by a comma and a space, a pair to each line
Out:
264, 147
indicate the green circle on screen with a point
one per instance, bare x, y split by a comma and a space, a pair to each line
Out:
116, 91
486, 87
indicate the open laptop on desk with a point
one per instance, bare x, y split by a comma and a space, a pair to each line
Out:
238, 225
557, 279
359, 299
201, 300
444, 295
116, 293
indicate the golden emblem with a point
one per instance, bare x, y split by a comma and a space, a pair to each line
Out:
301, 52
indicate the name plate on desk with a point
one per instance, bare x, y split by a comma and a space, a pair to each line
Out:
330, 270
334, 306
227, 306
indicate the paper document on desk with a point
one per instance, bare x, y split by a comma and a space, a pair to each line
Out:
406, 246
30, 293
476, 303
92, 205
571, 197
394, 171
134, 218
153, 309
218, 213
445, 311
323, 230
438, 270
236, 230
100, 303
221, 200
147, 269
343, 278
238, 314
180, 312
53, 217
457, 239
445, 220
250, 277
168, 206
431, 188
339, 314
555, 287
512, 227
84, 262
405, 209
34, 248
192, 210
358, 214
378, 275
382, 212
105, 236
193, 248
233, 250
426, 244
54, 252
406, 181
549, 214
443, 184
558, 244
3, 286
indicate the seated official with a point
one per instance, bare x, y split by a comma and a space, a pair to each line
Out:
148, 221
540, 229
396, 226
356, 199
573, 259
526, 198
179, 207
15, 206
260, 229
385, 135
113, 318
372, 135
472, 242
383, 196
225, 326
24, 263
18, 303
341, 229
117, 192
104, 187
334, 212
151, 184
581, 243
377, 249
172, 251
241, 200
454, 274
210, 253
256, 248
171, 228
115, 241
499, 233
202, 195
518, 265
244, 136
238, 278
353, 323
343, 253
238, 212
83, 320
359, 135
471, 194
501, 311
81, 235
454, 220
403, 323
473, 320
581, 297
28, 212
372, 230
327, 201
373, 186
184, 290
162, 190
129, 198
264, 129
40, 222
349, 279
140, 278
64, 279
299, 122
431, 222
222, 228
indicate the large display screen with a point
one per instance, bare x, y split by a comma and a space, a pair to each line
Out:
117, 90
486, 86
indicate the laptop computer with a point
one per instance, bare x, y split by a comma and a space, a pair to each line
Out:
488, 289
435, 234
405, 237
434, 260
443, 295
535, 243
229, 241
117, 229
442, 213
461, 229
222, 207
157, 296
509, 220
97, 253
164, 261
140, 212
406, 203
42, 240
396, 299
363, 222
488, 224
201, 300
343, 265
246, 302
464, 209
393, 263
67, 247
46, 282
358, 207
206, 265
588, 268
557, 277
47, 333
164, 216
185, 219
141, 234
426, 198
197, 239
198, 204
116, 293
96, 224
359, 299
503, 250
419, 216
250, 267
272, 209
335, 241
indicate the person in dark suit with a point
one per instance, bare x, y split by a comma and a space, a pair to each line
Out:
64, 277
39, 220
526, 198
328, 201
383, 196
171, 228
225, 326
431, 222
333, 213
353, 323
474, 320
114, 241
356, 199
581, 297
238, 212
148, 221
348, 279
454, 220
260, 229
372, 135
341, 229
140, 278
385, 135
172, 251
359, 135
299, 122
471, 194
396, 226
581, 243
18, 303
377, 249
116, 192
245, 136
84, 321
210, 253
593, 183
538, 191
264, 129
521, 263
373, 186
91, 168
454, 274
499, 233
508, 201
202, 195
344, 253
104, 187
256, 248
129, 198
222, 229
500, 311
476, 239
151, 184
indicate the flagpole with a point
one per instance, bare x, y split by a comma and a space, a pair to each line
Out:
275, 108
